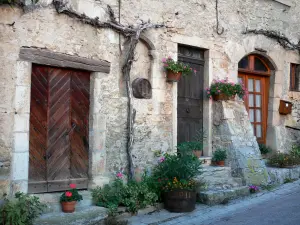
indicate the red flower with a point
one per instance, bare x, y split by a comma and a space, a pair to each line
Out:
73, 186
68, 194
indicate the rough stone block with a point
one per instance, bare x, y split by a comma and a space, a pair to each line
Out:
21, 142
21, 122
22, 99
20, 166
218, 197
19, 186
23, 73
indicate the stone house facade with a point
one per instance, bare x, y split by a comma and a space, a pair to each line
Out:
212, 37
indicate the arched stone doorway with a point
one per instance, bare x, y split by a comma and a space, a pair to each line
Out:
256, 73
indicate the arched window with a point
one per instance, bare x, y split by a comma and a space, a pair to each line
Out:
254, 64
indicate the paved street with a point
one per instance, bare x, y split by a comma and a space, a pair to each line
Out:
278, 207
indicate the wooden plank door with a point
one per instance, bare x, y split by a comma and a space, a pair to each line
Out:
257, 103
65, 131
190, 96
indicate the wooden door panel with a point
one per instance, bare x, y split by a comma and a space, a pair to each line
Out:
190, 102
58, 152
58, 129
80, 85
38, 130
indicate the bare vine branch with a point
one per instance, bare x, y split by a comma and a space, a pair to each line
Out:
277, 36
132, 34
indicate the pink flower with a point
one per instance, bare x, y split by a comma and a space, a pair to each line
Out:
162, 159
73, 186
68, 194
208, 92
195, 71
169, 57
164, 60
119, 175
219, 91
166, 65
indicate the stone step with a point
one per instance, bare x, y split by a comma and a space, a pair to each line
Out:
53, 203
222, 196
219, 178
87, 216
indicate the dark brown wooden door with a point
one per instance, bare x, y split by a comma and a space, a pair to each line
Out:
190, 96
58, 129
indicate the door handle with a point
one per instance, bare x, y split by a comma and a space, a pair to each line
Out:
187, 110
73, 127
47, 156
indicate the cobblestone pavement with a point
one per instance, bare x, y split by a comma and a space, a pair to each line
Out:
277, 207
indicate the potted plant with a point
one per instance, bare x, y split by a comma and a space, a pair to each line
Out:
219, 157
176, 174
225, 90
176, 69
69, 198
193, 147
264, 150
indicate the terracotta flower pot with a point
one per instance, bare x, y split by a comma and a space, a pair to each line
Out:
197, 153
180, 201
68, 207
222, 97
220, 163
172, 76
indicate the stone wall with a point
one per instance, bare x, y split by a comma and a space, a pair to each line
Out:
233, 131
188, 22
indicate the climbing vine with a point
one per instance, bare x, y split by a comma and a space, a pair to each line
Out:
277, 36
132, 33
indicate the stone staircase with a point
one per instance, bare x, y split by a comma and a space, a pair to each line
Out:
220, 185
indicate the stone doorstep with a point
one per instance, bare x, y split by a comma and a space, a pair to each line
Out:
53, 204
89, 215
206, 160
222, 196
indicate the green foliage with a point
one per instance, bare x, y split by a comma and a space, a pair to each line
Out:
170, 64
289, 180
264, 149
283, 160
219, 155
181, 166
227, 88
21, 211
133, 195
71, 195
189, 147
295, 151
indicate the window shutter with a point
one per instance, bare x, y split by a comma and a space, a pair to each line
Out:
297, 78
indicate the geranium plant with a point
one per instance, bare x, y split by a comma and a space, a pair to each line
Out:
176, 184
177, 67
227, 88
71, 195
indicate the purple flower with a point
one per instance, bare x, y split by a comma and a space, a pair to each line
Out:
162, 159
164, 60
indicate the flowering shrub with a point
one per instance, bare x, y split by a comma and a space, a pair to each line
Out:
71, 195
227, 88
253, 188
133, 195
283, 160
170, 64
176, 184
